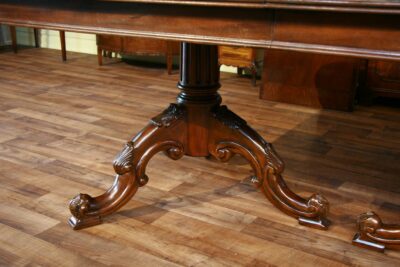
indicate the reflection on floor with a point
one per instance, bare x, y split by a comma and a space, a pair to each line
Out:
61, 124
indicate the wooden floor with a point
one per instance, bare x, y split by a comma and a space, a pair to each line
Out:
61, 124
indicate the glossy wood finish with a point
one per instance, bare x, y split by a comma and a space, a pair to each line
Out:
364, 33
61, 128
198, 126
374, 234
319, 81
137, 46
371, 31
371, 6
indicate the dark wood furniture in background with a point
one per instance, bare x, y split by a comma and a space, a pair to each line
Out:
137, 46
240, 57
14, 43
13, 32
320, 81
383, 79
197, 125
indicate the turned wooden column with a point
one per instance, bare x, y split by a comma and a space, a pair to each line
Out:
199, 83
197, 125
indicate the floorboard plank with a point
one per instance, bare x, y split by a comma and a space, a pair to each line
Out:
61, 124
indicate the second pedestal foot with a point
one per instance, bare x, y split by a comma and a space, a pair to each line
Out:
374, 234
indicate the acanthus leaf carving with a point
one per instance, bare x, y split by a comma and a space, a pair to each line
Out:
173, 113
228, 118
123, 162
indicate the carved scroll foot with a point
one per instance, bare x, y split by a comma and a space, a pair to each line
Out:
78, 207
231, 135
374, 234
310, 212
130, 166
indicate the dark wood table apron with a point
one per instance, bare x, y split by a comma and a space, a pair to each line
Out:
197, 125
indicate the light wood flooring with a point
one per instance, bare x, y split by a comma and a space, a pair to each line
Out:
61, 124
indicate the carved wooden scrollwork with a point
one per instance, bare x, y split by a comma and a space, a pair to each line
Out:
374, 234
311, 211
87, 211
173, 149
80, 205
267, 167
198, 126
130, 166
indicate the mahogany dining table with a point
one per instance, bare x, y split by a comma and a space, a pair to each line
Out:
197, 124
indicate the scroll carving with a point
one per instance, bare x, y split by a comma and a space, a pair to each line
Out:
273, 160
268, 168
80, 205
173, 149
198, 126
130, 166
374, 234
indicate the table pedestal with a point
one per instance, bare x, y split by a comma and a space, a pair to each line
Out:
197, 125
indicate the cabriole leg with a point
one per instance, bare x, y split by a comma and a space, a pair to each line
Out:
130, 166
231, 135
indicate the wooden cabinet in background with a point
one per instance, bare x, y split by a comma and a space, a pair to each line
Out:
321, 81
137, 46
240, 57
383, 79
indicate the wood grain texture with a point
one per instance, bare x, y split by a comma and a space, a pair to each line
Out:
370, 6
61, 126
374, 234
362, 33
320, 81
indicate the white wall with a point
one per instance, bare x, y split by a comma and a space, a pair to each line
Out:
5, 38
75, 42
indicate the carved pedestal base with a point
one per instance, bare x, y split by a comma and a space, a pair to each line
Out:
198, 126
374, 234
